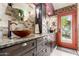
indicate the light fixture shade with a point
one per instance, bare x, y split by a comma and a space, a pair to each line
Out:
49, 9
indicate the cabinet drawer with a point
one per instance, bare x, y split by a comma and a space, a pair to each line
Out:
39, 40
31, 53
18, 49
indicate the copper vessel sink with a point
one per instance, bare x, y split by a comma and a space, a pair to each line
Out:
22, 33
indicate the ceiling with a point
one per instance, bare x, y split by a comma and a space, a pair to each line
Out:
61, 5
56, 5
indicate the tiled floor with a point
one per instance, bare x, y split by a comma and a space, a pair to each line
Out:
58, 51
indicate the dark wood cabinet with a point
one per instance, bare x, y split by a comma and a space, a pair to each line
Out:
43, 47
19, 49
36, 47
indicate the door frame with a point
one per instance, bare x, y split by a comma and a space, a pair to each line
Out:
74, 45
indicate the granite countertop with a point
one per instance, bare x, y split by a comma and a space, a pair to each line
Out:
9, 42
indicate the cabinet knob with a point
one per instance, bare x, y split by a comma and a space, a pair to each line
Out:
33, 44
24, 44
32, 54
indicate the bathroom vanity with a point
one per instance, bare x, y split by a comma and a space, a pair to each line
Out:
37, 45
23, 23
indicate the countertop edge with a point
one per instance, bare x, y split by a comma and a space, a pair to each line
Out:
18, 41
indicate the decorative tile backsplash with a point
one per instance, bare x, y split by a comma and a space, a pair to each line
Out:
44, 26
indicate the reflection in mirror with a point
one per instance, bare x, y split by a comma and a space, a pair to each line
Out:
23, 18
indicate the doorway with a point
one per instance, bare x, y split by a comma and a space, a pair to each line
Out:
67, 29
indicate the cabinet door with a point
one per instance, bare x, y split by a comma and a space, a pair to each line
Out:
67, 30
31, 53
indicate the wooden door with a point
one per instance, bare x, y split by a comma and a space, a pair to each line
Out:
67, 30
